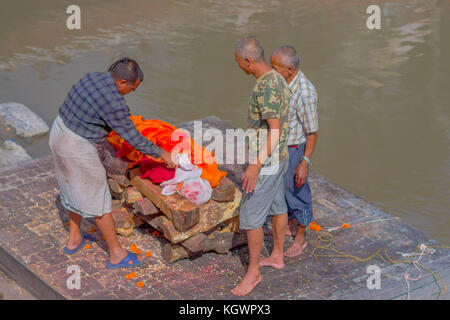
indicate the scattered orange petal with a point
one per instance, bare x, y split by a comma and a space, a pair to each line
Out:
133, 274
103, 238
149, 253
88, 246
128, 276
345, 225
155, 233
67, 223
91, 230
140, 284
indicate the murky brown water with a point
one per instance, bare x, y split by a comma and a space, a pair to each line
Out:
384, 94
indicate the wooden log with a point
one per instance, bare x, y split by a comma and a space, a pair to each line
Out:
222, 242
121, 179
138, 221
212, 214
123, 222
195, 243
112, 164
173, 252
232, 224
131, 195
182, 212
145, 207
116, 205
136, 172
224, 191
115, 189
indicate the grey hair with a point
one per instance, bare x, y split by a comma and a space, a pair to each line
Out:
126, 69
250, 48
289, 57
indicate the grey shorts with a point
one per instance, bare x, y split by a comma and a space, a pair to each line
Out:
267, 199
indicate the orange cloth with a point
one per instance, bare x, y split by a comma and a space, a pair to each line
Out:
160, 133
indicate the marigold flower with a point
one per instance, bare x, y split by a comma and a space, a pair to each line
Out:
317, 227
345, 225
155, 233
133, 274
149, 253
133, 247
128, 276
140, 284
138, 251
88, 246
67, 223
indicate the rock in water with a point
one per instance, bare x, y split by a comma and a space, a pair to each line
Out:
11, 152
23, 120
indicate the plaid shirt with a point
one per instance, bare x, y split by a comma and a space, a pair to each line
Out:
94, 107
303, 109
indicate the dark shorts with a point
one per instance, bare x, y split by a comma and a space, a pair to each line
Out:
298, 199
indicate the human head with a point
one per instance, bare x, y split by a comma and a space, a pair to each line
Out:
127, 74
285, 60
249, 52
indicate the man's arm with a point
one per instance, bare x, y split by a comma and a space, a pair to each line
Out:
308, 115
301, 172
118, 118
251, 173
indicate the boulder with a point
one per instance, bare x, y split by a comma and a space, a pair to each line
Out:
26, 123
11, 152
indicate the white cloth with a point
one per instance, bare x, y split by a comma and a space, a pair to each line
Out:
193, 187
80, 174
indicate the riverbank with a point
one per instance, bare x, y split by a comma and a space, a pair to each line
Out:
33, 233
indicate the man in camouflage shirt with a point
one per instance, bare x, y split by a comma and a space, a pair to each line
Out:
263, 183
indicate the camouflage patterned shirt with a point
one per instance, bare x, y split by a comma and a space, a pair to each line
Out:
270, 100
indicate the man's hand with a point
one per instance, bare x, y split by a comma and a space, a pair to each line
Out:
301, 173
169, 159
250, 178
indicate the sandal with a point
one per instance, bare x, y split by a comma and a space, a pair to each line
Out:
125, 262
86, 237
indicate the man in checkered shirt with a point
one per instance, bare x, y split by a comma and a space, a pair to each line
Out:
93, 107
303, 133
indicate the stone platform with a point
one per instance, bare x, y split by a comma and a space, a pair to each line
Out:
33, 233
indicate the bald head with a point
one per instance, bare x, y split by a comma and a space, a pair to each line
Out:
250, 48
288, 57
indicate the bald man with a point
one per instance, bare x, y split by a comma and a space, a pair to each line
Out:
263, 183
302, 138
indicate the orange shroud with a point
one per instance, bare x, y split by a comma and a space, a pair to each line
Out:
169, 138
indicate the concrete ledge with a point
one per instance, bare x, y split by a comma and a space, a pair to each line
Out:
33, 233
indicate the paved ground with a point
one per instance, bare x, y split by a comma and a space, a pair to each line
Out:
10, 290
33, 233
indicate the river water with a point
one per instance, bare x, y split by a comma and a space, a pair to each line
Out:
384, 110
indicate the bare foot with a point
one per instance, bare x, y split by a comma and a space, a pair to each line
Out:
292, 228
272, 262
247, 284
295, 249
74, 242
